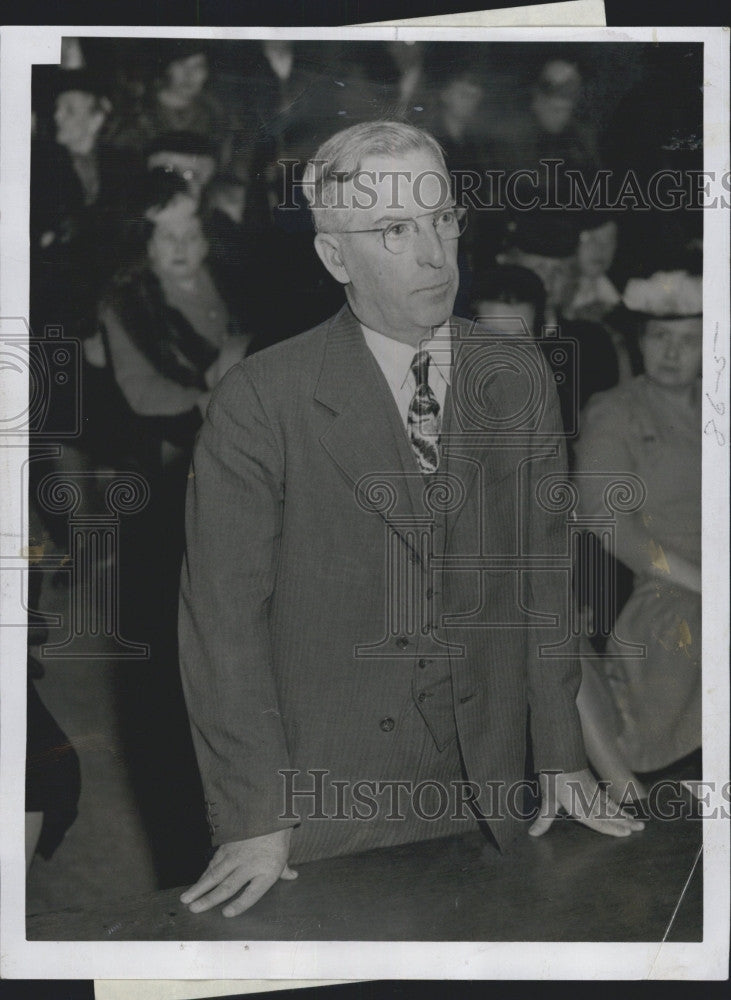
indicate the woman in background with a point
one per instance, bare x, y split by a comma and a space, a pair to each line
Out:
177, 98
170, 333
643, 713
168, 326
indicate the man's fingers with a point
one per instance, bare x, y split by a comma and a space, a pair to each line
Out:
612, 813
219, 890
251, 894
541, 824
612, 827
594, 808
223, 891
633, 822
210, 878
611, 819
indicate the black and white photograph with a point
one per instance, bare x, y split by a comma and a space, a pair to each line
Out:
365, 451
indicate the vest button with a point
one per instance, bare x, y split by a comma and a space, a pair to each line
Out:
387, 725
423, 664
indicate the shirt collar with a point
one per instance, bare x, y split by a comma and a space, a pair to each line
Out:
395, 357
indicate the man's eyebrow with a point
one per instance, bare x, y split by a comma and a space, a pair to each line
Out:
419, 215
392, 218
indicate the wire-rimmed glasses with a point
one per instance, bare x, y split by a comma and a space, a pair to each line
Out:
398, 236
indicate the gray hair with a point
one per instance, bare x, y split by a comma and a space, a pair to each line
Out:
339, 158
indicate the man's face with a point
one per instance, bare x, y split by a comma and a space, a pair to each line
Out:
187, 77
196, 171
596, 250
402, 295
553, 113
178, 247
461, 100
78, 119
672, 350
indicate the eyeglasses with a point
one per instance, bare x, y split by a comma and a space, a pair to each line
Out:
449, 224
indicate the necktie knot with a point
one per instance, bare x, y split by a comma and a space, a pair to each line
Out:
420, 369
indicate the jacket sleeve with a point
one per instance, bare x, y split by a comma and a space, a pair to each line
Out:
233, 519
553, 682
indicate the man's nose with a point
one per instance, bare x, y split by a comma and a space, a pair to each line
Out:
429, 247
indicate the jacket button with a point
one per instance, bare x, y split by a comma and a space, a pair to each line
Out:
422, 696
423, 664
387, 724
402, 642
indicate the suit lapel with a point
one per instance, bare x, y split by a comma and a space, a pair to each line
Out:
470, 449
366, 439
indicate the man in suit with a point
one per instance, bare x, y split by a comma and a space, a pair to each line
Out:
359, 617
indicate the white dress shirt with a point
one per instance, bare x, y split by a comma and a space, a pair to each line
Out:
395, 358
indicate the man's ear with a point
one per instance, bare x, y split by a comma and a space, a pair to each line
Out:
328, 250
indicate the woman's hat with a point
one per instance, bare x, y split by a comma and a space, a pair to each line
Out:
85, 80
169, 50
665, 295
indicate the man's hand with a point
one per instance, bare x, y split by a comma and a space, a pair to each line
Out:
578, 793
256, 863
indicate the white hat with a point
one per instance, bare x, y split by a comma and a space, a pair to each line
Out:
667, 295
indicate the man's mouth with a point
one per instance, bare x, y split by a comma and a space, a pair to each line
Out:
436, 288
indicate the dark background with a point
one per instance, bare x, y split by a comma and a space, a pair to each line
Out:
320, 13
327, 12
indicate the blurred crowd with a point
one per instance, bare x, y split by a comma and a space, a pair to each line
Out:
159, 240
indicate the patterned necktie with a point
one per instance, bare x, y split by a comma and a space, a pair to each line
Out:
424, 420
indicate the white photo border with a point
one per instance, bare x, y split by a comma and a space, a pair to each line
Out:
20, 49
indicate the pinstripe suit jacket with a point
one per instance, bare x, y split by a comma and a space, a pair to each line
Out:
323, 589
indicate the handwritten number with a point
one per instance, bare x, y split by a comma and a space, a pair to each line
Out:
720, 367
711, 428
718, 407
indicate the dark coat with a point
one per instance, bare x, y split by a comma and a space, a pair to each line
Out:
166, 338
74, 247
